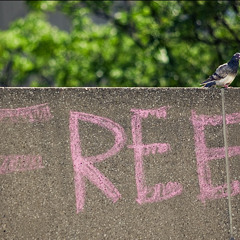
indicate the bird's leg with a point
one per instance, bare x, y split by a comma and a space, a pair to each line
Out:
227, 86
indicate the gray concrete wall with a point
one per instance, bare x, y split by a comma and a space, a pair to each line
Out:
123, 163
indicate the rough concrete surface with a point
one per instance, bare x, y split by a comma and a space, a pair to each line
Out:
118, 163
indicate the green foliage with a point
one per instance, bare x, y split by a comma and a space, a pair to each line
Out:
139, 43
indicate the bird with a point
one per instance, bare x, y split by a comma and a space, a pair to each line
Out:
224, 74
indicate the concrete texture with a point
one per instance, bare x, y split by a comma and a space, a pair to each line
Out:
165, 175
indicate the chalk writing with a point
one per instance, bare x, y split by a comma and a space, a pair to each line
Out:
19, 163
160, 191
83, 166
38, 113
204, 155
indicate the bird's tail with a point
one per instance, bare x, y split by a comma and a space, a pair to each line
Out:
209, 84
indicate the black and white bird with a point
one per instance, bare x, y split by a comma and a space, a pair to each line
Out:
224, 74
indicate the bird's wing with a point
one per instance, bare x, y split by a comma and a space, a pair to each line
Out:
221, 72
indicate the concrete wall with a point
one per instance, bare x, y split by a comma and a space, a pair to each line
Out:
123, 163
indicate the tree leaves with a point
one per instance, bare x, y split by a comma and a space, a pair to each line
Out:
120, 43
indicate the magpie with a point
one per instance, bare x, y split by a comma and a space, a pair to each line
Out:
224, 74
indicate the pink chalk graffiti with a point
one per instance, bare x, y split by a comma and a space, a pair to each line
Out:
38, 113
160, 191
19, 163
204, 155
83, 166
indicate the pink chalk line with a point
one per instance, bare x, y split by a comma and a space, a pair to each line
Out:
204, 155
19, 163
84, 166
160, 191
37, 113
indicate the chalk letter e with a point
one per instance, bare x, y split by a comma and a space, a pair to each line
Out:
204, 155
83, 166
160, 191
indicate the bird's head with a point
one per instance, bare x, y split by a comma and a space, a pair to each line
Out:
236, 56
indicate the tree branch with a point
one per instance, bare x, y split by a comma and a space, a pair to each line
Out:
6, 74
225, 24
